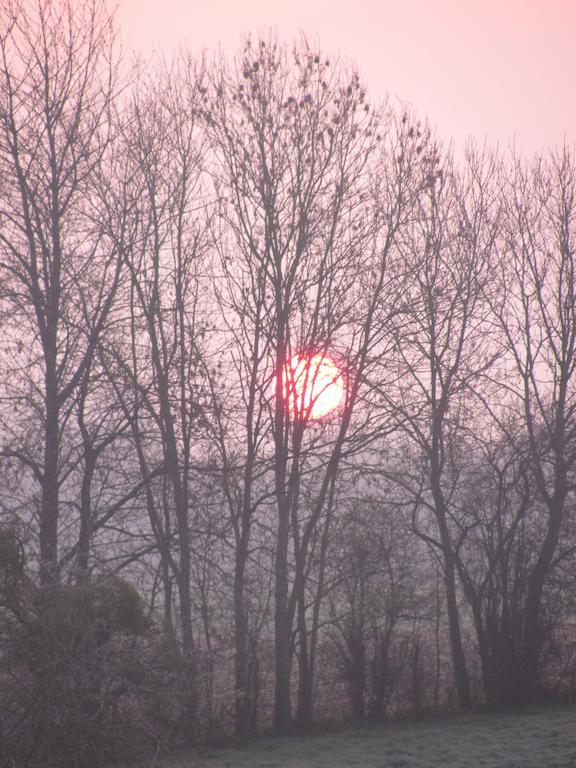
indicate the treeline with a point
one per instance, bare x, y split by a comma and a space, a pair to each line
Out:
180, 553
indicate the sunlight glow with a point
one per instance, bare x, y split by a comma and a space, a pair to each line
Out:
313, 386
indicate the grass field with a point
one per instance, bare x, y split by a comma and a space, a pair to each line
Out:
533, 738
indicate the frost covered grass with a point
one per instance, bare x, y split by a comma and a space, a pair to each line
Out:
532, 738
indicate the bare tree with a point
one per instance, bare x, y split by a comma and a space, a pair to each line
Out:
59, 275
443, 350
157, 217
378, 596
496, 499
312, 218
537, 315
173, 257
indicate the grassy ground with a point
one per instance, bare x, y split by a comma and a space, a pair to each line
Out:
534, 738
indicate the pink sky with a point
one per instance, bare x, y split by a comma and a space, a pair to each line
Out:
500, 69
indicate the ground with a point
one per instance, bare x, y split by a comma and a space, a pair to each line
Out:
532, 738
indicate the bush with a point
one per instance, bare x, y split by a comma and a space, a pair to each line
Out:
72, 668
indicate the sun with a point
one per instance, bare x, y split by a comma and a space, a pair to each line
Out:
313, 386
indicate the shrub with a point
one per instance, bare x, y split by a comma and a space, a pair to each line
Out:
72, 665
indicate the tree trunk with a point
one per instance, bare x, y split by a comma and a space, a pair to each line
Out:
243, 706
458, 657
304, 714
282, 626
50, 484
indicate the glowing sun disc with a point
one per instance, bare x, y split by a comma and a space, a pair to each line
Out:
313, 386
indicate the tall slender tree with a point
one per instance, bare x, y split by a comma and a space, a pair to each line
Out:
537, 315
59, 274
310, 268
443, 350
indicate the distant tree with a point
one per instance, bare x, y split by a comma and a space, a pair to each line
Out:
498, 513
376, 599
